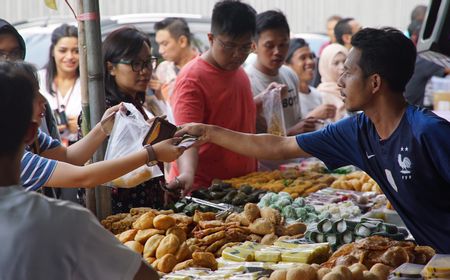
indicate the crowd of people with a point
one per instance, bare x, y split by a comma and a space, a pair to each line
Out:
346, 106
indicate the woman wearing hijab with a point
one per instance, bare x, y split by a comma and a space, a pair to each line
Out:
331, 66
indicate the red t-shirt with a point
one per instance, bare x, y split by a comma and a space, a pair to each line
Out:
206, 94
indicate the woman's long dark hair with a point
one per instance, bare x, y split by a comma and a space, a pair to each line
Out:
63, 31
123, 43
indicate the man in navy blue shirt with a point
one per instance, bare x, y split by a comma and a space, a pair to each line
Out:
404, 148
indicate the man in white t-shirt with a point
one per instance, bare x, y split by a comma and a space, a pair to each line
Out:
271, 44
300, 59
44, 238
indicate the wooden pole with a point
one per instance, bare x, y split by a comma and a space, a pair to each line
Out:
93, 95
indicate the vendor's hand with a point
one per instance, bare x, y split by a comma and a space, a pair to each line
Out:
323, 112
168, 150
306, 125
108, 118
195, 129
182, 183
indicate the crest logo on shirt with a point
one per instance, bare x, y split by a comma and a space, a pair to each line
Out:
405, 164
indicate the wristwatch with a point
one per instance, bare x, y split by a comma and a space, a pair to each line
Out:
151, 155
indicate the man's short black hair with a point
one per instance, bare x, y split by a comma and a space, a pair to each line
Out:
342, 27
233, 18
17, 92
295, 44
177, 27
270, 20
387, 52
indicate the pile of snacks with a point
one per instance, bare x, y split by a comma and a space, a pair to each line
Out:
358, 181
297, 183
377, 249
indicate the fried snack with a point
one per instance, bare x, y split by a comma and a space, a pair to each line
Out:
209, 239
145, 221
183, 265
425, 253
210, 224
321, 272
254, 238
151, 245
166, 263
168, 245
127, 235
237, 234
233, 217
395, 256
142, 210
163, 222
179, 232
135, 246
381, 270
278, 274
261, 226
183, 252
203, 216
251, 212
294, 229
243, 220
272, 215
165, 212
302, 271
182, 219
205, 259
143, 235
150, 260
124, 224
204, 232
216, 245
269, 239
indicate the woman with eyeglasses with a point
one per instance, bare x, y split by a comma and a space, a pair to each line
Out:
128, 68
60, 81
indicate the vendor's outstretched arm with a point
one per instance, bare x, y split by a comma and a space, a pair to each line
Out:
260, 146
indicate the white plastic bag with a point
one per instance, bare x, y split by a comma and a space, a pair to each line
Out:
273, 112
127, 137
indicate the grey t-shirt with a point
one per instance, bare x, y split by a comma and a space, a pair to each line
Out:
291, 104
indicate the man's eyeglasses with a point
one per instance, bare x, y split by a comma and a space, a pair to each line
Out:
231, 48
12, 55
138, 66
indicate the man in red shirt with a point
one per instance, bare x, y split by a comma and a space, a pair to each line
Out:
214, 89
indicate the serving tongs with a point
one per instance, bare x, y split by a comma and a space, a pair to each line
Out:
224, 209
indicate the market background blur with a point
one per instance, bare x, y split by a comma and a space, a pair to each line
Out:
303, 15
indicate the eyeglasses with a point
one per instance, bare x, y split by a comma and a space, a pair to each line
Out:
231, 48
138, 66
12, 55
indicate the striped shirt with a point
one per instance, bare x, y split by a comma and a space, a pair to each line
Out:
36, 170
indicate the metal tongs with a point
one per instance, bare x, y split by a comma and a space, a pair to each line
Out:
225, 209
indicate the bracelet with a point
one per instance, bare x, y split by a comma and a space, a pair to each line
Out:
103, 130
151, 155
